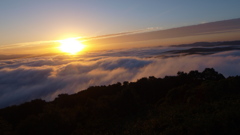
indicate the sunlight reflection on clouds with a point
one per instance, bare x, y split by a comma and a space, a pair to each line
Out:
22, 80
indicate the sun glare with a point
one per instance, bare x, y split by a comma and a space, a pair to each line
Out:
71, 45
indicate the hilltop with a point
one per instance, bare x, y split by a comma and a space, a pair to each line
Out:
188, 103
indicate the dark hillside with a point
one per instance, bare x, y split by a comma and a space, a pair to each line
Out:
189, 103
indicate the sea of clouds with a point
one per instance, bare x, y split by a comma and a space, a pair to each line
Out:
46, 77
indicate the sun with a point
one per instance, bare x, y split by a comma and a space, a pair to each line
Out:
71, 45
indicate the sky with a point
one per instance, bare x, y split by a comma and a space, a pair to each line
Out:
43, 20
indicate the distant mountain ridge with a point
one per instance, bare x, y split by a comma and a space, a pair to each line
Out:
209, 44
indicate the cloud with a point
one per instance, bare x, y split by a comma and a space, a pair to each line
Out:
25, 79
21, 84
206, 29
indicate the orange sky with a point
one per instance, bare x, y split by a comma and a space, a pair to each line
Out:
95, 45
209, 32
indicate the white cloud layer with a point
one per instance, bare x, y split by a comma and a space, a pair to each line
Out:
26, 79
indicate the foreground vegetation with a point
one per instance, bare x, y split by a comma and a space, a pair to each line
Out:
189, 103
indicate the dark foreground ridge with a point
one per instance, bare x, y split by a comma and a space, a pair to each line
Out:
190, 103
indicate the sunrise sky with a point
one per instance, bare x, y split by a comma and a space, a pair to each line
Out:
36, 24
49, 47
